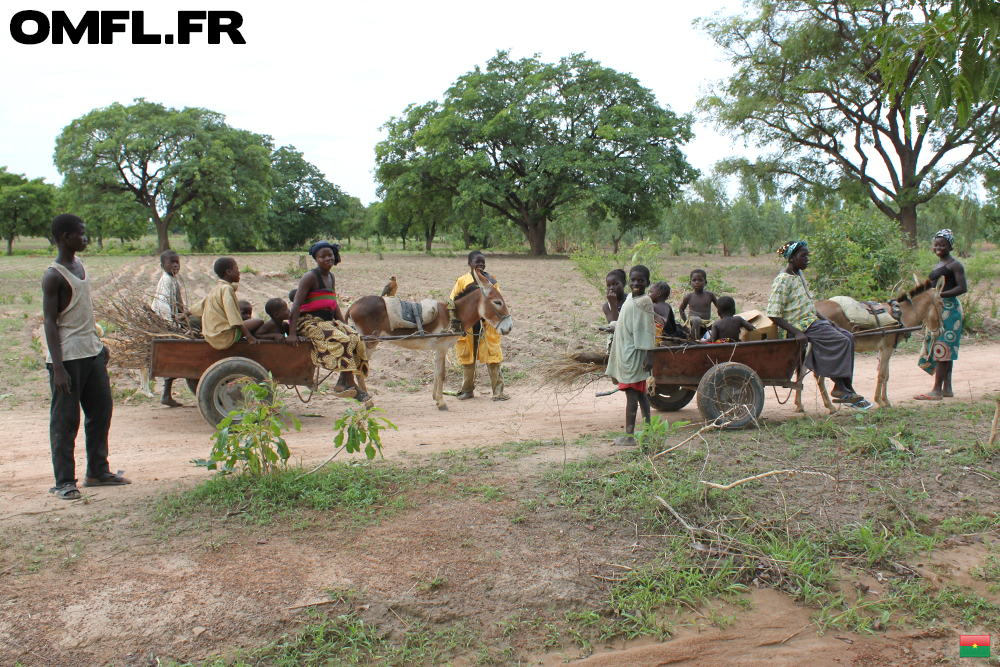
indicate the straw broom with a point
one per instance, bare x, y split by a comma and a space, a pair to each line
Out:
568, 370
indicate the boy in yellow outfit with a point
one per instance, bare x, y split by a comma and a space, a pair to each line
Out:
221, 321
482, 341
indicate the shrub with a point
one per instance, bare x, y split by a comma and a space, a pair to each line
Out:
858, 253
595, 265
251, 437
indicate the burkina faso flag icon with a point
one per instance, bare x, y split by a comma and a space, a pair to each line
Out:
974, 646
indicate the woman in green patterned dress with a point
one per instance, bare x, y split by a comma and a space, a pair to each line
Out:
941, 350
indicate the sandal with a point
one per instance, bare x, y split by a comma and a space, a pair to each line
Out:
108, 479
501, 397
626, 441
926, 397
350, 392
66, 492
848, 398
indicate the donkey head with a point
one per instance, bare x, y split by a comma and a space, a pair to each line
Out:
927, 302
492, 306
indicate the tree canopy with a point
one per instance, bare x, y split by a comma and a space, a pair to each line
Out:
808, 87
524, 138
177, 164
26, 207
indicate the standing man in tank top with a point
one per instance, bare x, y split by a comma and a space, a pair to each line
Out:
78, 365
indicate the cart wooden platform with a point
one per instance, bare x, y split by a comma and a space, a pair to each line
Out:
728, 379
217, 376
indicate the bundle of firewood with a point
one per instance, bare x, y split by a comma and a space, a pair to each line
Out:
130, 325
573, 369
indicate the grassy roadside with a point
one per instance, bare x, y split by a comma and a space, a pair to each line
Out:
891, 488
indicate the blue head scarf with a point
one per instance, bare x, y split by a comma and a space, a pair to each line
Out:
790, 248
319, 245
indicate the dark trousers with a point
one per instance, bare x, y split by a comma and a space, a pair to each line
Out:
89, 388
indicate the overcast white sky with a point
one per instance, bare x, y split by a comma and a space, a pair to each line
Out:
324, 76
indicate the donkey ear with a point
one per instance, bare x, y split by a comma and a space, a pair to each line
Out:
939, 286
916, 280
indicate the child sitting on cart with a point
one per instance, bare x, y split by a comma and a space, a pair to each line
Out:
630, 360
275, 328
700, 302
221, 321
168, 303
727, 328
663, 314
246, 312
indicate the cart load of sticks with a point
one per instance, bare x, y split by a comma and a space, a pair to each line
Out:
130, 326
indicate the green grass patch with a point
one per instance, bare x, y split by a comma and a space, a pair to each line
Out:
366, 492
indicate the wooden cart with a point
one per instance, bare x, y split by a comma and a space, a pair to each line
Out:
727, 378
217, 376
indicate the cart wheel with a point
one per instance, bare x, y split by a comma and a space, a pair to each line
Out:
732, 394
671, 397
220, 390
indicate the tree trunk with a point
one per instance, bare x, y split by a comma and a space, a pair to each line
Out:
616, 241
162, 228
536, 238
429, 236
467, 236
404, 241
10, 245
908, 221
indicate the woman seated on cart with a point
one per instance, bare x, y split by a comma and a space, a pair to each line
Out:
317, 316
791, 307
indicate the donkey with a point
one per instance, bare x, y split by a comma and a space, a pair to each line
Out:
480, 301
921, 306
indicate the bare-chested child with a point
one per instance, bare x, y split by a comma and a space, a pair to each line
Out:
727, 328
700, 302
275, 328
246, 312
663, 314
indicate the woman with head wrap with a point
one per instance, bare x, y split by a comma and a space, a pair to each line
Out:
940, 350
791, 307
317, 316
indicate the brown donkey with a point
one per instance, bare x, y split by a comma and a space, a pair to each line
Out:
480, 301
920, 306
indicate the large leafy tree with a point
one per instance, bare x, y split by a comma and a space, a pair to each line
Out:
26, 207
177, 164
524, 138
808, 87
303, 204
109, 215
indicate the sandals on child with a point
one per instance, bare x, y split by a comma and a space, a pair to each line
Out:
108, 479
66, 491
849, 397
348, 392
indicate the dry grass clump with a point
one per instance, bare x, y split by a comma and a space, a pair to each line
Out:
569, 370
131, 325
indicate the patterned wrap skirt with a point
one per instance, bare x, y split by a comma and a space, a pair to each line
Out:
335, 346
945, 346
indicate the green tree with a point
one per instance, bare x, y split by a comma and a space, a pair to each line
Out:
26, 207
524, 138
808, 87
113, 215
172, 162
303, 204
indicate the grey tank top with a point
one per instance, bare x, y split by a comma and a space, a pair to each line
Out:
77, 327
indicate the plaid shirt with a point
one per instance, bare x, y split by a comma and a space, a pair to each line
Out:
790, 300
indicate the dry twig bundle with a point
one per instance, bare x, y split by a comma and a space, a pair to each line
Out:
130, 325
569, 370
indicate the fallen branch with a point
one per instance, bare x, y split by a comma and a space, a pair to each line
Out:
727, 487
993, 429
306, 474
677, 516
313, 604
681, 444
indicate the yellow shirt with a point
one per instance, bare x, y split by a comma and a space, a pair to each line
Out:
220, 315
489, 342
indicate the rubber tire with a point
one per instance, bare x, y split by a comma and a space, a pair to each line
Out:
216, 374
714, 390
672, 399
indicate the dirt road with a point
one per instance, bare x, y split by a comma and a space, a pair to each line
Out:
155, 444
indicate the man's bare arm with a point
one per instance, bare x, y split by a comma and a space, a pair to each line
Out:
51, 283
